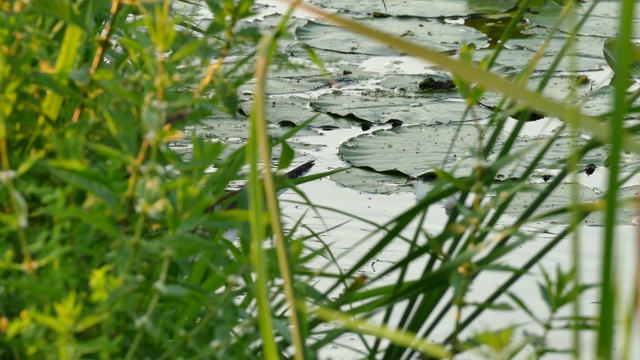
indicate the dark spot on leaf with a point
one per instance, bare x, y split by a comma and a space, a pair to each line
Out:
395, 122
428, 177
431, 84
533, 116
286, 123
327, 127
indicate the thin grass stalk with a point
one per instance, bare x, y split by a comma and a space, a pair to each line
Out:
568, 44
109, 28
589, 146
621, 79
494, 56
265, 55
393, 232
572, 165
401, 276
547, 76
436, 280
512, 280
535, 204
256, 211
521, 220
524, 76
492, 222
406, 312
400, 337
634, 304
506, 35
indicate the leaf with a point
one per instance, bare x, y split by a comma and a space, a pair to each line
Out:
609, 51
493, 306
90, 180
90, 321
498, 340
21, 209
521, 304
64, 10
286, 156
396, 336
71, 44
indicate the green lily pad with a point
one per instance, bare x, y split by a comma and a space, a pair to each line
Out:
603, 21
559, 88
518, 52
287, 110
379, 106
435, 34
561, 196
430, 8
414, 150
373, 182
600, 102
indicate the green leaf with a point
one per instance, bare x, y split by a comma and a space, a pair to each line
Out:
286, 156
64, 10
90, 180
21, 209
609, 52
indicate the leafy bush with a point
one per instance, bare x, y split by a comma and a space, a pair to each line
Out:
108, 246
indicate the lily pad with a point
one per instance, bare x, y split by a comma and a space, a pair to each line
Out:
414, 150
431, 8
373, 182
518, 52
294, 110
561, 196
559, 88
527, 148
435, 34
600, 103
602, 22
378, 106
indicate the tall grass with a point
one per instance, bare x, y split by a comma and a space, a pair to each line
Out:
457, 261
111, 247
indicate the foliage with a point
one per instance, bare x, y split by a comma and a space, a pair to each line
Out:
108, 246
115, 246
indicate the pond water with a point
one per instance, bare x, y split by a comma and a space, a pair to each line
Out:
350, 240
370, 84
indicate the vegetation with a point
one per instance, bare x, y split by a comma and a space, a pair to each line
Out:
110, 246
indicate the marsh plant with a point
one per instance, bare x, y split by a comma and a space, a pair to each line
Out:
113, 233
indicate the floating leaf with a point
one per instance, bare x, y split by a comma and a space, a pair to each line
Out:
609, 52
438, 35
414, 150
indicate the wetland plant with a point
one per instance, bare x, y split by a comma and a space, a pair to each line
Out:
109, 250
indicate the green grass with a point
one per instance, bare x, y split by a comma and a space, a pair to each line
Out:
110, 250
